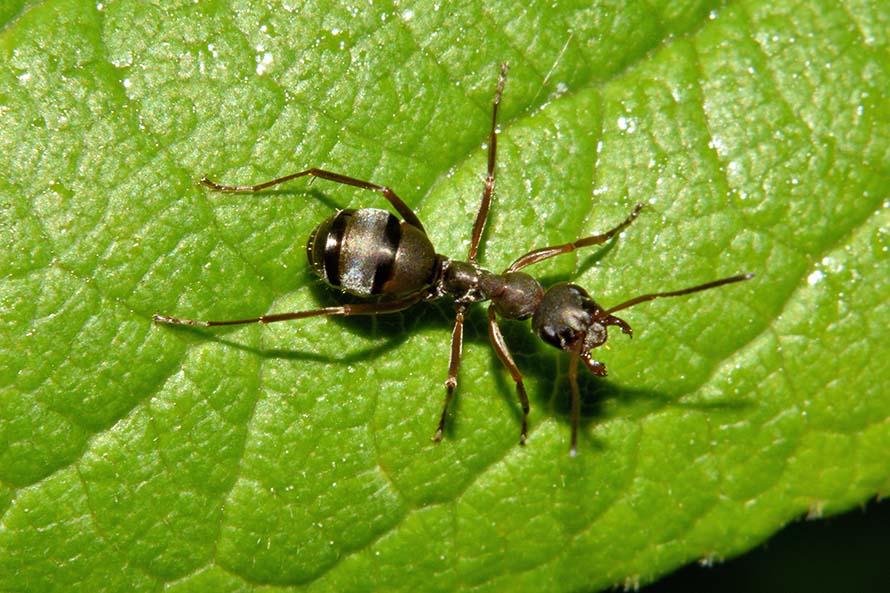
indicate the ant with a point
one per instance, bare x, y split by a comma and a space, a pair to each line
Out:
369, 252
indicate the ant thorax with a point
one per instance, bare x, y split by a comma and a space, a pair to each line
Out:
515, 295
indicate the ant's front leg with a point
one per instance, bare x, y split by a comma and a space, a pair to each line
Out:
500, 347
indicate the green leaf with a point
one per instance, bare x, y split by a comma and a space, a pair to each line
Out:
135, 456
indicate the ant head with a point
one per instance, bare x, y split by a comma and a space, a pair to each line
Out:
570, 320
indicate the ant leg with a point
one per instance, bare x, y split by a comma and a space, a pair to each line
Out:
353, 309
500, 347
657, 295
576, 393
482, 214
543, 253
390, 195
457, 341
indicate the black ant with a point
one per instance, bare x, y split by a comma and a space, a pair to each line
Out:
369, 252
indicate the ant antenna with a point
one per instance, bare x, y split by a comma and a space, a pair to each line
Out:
657, 295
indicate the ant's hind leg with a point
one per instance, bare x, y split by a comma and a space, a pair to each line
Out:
390, 195
346, 310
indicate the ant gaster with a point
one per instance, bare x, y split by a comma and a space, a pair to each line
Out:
369, 252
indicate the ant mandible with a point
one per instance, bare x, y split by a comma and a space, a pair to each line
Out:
369, 252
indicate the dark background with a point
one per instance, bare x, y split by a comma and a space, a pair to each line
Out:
843, 553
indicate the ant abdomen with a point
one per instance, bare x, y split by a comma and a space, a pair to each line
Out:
370, 252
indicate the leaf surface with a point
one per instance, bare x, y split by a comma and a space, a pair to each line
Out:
297, 455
